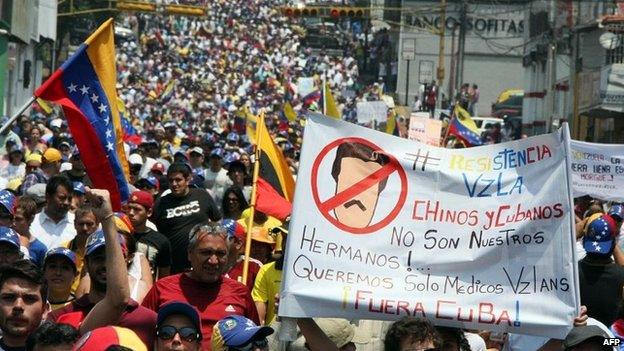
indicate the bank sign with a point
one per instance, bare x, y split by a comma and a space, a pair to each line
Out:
500, 21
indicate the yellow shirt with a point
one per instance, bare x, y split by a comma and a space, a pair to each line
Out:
267, 285
80, 252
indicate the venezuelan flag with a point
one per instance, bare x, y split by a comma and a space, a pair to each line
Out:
168, 93
464, 128
85, 87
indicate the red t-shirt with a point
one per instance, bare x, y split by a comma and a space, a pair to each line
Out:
136, 318
236, 272
213, 300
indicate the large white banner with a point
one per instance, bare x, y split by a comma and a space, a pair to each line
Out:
368, 111
478, 238
597, 170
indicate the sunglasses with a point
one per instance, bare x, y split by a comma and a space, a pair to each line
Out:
167, 332
254, 344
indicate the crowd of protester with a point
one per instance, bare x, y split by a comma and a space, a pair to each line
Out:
166, 272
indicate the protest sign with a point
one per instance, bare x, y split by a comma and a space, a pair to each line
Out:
597, 170
305, 85
425, 129
368, 111
477, 238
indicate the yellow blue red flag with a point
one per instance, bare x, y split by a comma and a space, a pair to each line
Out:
85, 87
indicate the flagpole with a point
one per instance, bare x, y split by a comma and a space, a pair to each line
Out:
252, 208
17, 114
324, 98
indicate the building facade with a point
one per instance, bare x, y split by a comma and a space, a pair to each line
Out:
487, 52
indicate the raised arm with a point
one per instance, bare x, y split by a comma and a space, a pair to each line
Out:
109, 310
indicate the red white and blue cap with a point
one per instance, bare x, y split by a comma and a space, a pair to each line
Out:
97, 240
62, 252
79, 188
235, 331
599, 237
8, 201
233, 229
617, 212
8, 235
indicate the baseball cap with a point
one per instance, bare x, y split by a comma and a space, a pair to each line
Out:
177, 307
152, 182
142, 198
8, 201
37, 192
34, 158
617, 212
158, 167
218, 152
52, 155
233, 137
235, 330
598, 238
63, 252
339, 331
56, 123
135, 159
9, 235
580, 334
102, 338
197, 150
96, 241
233, 229
181, 153
79, 188
231, 157
261, 234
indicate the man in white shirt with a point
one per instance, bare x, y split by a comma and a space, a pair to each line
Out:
55, 224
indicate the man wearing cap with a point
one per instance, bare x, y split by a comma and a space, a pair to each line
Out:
9, 246
150, 184
239, 333
600, 280
177, 212
587, 337
55, 224
178, 327
216, 176
50, 166
196, 159
236, 257
59, 271
109, 292
155, 246
78, 196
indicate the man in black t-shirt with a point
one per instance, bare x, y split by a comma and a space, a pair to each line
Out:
600, 279
155, 246
177, 211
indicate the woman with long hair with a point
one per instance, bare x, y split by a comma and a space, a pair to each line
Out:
233, 203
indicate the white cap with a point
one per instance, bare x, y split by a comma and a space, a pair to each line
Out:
135, 159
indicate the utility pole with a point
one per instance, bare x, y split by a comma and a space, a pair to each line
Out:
461, 44
440, 73
552, 68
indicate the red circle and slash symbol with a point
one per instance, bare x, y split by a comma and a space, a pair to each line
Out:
326, 206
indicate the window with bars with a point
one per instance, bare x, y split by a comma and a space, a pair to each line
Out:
616, 55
